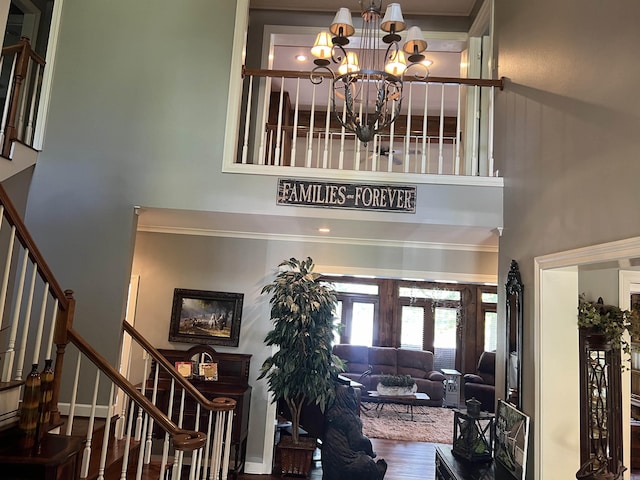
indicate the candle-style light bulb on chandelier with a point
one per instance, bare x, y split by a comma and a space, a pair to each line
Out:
366, 91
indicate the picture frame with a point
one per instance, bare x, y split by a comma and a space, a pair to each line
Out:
202, 316
184, 368
512, 439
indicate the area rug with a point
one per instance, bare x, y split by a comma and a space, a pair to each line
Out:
393, 422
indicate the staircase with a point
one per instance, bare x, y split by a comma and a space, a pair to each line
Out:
37, 325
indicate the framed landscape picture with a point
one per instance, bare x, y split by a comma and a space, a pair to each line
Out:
201, 316
512, 438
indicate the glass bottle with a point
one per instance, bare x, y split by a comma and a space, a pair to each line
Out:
29, 411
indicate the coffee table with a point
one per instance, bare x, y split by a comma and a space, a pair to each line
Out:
409, 400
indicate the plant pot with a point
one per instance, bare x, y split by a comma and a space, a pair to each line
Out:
396, 391
295, 459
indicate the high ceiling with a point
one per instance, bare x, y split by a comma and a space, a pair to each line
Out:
410, 7
414, 234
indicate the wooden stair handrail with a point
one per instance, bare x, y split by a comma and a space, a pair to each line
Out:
182, 439
14, 219
480, 82
214, 405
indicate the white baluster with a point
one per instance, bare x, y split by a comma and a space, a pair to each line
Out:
7, 101
7, 269
34, 95
13, 332
143, 389
43, 311
476, 126
492, 92
247, 122
105, 436
140, 464
177, 463
311, 126
165, 446
227, 443
392, 131
458, 132
25, 87
276, 156
74, 395
127, 442
53, 329
294, 135
327, 123
407, 141
265, 110
342, 134
25, 326
441, 132
196, 458
207, 446
86, 454
425, 123
154, 396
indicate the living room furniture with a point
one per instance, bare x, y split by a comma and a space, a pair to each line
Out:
473, 435
56, 459
408, 400
448, 467
233, 377
392, 361
481, 385
451, 387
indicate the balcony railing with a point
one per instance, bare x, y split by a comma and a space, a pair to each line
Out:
22, 71
445, 128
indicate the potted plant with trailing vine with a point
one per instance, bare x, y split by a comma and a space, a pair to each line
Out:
303, 370
609, 322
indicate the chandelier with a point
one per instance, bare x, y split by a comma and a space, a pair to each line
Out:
366, 91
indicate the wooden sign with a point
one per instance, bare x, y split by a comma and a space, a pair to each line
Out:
355, 196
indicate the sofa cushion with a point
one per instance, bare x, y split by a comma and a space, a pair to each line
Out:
417, 363
356, 358
383, 360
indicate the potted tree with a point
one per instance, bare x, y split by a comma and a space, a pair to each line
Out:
303, 370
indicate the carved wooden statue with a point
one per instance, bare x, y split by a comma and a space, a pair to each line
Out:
346, 453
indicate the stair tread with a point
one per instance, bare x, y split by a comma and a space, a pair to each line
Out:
10, 385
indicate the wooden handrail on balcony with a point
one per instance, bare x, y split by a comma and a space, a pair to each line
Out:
24, 54
218, 404
480, 82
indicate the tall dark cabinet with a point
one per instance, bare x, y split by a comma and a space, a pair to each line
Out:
233, 377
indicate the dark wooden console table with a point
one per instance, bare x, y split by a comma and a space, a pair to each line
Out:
233, 378
448, 467
56, 459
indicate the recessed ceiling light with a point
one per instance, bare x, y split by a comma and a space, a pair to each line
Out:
301, 58
324, 230
427, 63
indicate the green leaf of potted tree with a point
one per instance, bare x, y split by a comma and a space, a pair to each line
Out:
304, 368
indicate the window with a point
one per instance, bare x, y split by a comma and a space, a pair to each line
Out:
429, 321
357, 312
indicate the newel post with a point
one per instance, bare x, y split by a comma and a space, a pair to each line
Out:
64, 321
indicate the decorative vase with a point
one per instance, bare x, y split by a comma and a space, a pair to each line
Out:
29, 412
46, 389
396, 391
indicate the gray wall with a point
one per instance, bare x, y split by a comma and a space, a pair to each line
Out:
566, 133
137, 118
166, 261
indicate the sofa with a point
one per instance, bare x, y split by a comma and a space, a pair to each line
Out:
481, 384
367, 364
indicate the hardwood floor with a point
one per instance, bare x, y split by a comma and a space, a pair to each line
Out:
406, 461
